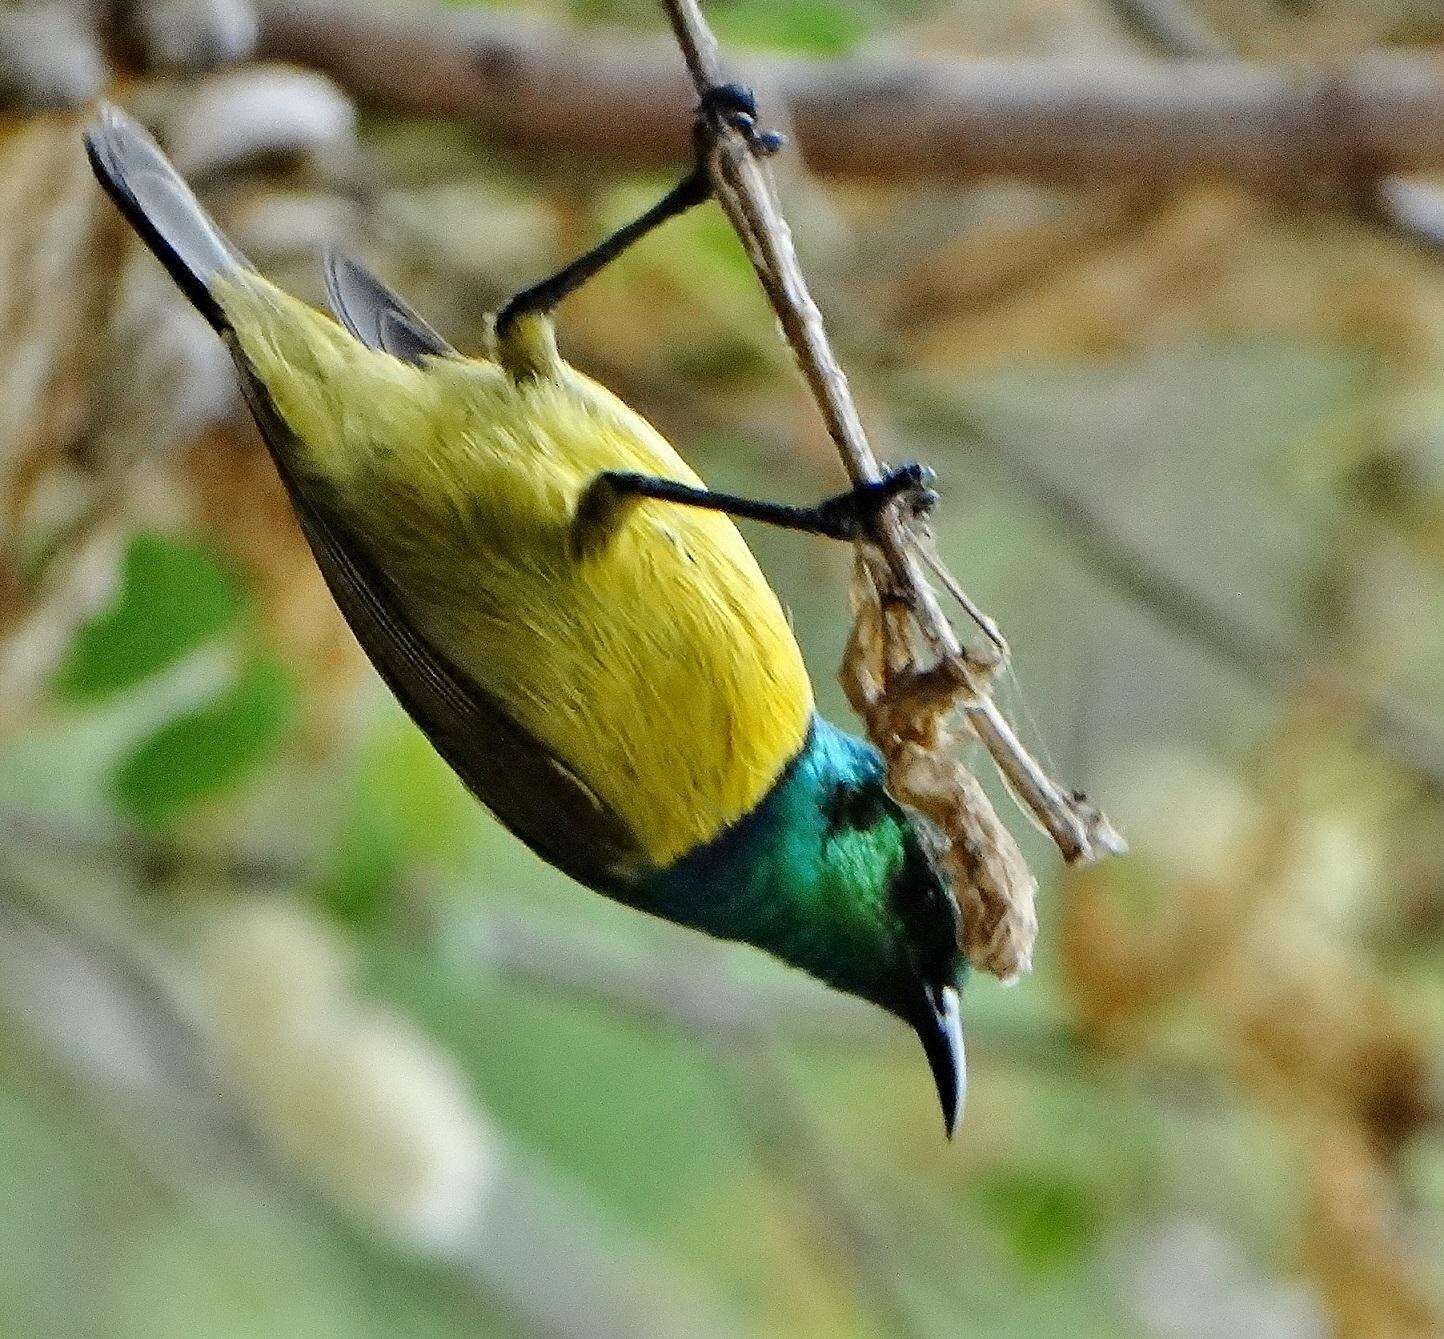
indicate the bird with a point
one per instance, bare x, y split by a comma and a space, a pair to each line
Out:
569, 615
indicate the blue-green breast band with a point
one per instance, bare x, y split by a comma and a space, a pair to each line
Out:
762, 880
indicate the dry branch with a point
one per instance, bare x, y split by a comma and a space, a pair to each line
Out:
1411, 209
540, 86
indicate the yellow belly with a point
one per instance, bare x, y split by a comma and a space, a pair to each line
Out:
662, 668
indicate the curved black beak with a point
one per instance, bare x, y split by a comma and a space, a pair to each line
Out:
939, 1023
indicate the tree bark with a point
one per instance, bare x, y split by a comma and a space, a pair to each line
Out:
540, 87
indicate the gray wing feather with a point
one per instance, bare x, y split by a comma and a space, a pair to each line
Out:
380, 318
161, 208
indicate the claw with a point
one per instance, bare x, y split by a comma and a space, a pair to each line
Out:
911, 475
728, 100
767, 142
920, 495
912, 482
923, 501
855, 513
736, 105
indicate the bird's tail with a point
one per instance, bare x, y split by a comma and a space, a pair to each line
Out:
162, 209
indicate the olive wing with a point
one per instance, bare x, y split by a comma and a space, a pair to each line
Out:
532, 792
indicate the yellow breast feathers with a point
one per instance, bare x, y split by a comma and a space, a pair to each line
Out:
660, 667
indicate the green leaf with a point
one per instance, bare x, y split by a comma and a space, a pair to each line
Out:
816, 27
172, 597
209, 749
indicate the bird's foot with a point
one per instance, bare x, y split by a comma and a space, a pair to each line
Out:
734, 105
855, 514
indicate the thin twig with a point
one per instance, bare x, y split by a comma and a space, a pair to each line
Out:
950, 583
745, 194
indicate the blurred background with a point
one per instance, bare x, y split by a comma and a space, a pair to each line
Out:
295, 1041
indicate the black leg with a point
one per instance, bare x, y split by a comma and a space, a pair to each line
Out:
544, 296
847, 516
731, 104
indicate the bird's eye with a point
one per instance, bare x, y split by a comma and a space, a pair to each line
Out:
925, 853
856, 807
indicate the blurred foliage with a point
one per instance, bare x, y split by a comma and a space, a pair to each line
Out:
208, 748
294, 1040
171, 599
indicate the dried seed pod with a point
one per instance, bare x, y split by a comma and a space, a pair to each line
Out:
191, 35
255, 115
991, 881
862, 670
364, 1106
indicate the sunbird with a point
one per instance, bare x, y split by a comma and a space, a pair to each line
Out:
567, 612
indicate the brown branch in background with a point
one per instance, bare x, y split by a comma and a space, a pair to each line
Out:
1411, 209
540, 86
60, 53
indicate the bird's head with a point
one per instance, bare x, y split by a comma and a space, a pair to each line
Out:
831, 874
883, 861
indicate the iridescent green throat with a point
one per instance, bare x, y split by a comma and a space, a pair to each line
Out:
797, 878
